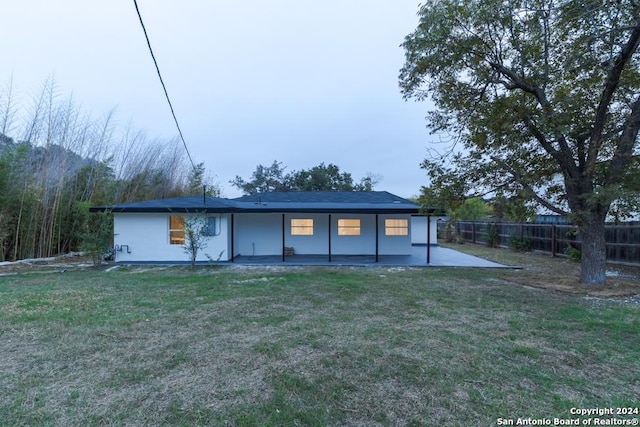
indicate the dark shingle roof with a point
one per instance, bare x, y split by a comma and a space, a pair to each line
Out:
302, 201
327, 201
323, 197
176, 204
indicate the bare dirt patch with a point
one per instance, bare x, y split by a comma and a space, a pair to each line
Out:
615, 287
73, 260
559, 274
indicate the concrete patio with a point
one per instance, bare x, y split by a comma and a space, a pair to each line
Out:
438, 257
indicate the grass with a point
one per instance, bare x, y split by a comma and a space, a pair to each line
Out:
306, 346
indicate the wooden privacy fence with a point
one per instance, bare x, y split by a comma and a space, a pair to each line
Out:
623, 241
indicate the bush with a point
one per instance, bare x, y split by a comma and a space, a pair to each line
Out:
493, 238
520, 245
450, 232
574, 254
96, 236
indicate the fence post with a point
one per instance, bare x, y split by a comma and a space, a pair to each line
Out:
473, 232
554, 236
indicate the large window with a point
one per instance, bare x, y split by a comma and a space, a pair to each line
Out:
301, 226
176, 230
349, 227
396, 227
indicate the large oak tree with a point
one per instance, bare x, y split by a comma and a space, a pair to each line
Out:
543, 97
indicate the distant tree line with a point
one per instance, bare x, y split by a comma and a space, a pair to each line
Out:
59, 161
318, 178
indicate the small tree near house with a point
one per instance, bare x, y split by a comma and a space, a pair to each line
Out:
96, 233
195, 237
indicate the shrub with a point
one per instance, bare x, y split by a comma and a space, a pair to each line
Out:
449, 232
574, 254
493, 238
194, 236
96, 236
520, 245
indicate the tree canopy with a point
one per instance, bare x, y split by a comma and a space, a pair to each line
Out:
542, 98
318, 178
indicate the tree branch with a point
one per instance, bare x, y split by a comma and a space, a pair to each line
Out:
539, 136
624, 151
611, 84
519, 82
520, 180
564, 155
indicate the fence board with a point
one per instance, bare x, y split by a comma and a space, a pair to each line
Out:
622, 241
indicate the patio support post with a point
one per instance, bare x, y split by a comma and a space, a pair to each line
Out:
329, 243
283, 238
377, 226
428, 239
233, 237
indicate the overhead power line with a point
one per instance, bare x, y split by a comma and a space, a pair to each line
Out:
166, 94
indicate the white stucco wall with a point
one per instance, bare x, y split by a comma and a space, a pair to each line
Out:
146, 236
258, 234
364, 244
318, 243
419, 230
261, 234
393, 245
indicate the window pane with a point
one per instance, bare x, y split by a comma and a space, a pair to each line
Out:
302, 222
176, 222
211, 227
390, 222
176, 230
396, 232
349, 231
396, 227
301, 226
354, 222
349, 227
176, 237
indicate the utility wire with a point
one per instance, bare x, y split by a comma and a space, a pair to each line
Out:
166, 94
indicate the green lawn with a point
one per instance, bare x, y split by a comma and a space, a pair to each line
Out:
306, 346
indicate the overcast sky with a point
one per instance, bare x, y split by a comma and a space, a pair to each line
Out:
301, 82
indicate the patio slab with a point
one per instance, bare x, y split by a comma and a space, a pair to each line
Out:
439, 257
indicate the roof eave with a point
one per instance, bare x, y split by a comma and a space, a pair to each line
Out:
331, 210
116, 209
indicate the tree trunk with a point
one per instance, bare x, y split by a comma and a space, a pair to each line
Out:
594, 251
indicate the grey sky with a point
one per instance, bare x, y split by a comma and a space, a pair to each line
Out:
301, 82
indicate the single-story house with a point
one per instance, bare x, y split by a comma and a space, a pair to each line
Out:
279, 224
